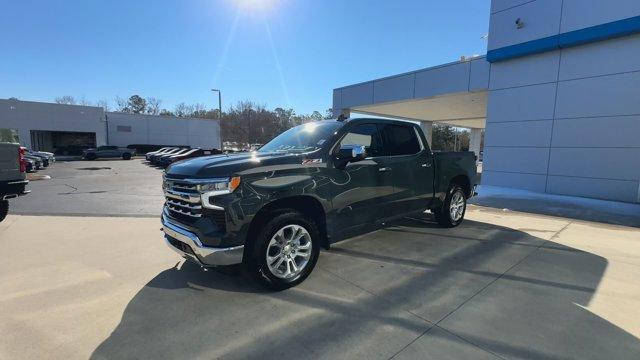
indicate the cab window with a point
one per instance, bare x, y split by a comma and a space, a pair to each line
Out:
400, 140
366, 135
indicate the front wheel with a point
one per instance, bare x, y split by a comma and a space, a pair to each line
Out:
126, 156
453, 209
90, 156
4, 209
285, 252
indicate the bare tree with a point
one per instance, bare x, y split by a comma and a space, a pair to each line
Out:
66, 99
182, 110
122, 105
153, 105
84, 102
103, 104
197, 109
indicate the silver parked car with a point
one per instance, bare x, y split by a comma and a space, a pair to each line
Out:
108, 152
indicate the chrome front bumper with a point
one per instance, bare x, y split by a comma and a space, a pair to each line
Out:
203, 255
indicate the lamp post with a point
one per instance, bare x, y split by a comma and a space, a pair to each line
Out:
219, 115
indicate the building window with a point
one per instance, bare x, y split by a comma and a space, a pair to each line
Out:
123, 128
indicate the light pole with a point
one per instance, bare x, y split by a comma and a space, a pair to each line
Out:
219, 115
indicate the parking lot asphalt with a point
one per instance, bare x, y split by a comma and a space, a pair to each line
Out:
100, 188
502, 285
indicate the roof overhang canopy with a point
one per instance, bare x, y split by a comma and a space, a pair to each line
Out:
466, 110
454, 93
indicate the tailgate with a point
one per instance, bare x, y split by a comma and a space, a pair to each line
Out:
9, 162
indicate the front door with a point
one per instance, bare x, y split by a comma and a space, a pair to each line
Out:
362, 188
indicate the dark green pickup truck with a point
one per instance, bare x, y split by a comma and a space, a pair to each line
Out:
272, 210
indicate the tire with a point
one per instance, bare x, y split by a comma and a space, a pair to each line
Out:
126, 156
289, 224
456, 197
4, 209
91, 156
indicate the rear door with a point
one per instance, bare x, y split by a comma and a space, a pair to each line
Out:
411, 167
362, 189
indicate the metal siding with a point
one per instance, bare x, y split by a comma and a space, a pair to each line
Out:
516, 159
355, 95
617, 131
605, 189
394, 88
541, 20
603, 163
442, 80
531, 182
479, 77
521, 104
599, 96
580, 14
501, 5
601, 58
520, 133
337, 102
534, 69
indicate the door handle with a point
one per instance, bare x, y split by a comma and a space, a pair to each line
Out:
426, 165
384, 169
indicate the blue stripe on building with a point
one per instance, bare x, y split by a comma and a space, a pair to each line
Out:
573, 38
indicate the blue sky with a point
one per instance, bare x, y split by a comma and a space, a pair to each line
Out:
280, 53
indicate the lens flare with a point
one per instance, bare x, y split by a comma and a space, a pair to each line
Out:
256, 5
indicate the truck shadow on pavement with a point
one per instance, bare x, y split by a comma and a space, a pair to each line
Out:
411, 290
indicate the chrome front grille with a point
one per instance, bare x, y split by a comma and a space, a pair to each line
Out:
182, 198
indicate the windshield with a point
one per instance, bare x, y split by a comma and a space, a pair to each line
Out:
303, 138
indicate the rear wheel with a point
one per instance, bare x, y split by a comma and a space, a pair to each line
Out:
4, 209
91, 156
285, 252
453, 209
126, 156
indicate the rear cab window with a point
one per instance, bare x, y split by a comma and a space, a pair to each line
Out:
400, 140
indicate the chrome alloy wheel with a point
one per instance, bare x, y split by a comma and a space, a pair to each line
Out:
456, 206
289, 251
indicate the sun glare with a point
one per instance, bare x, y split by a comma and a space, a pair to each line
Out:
256, 5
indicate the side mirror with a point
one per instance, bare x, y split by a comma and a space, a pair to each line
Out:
352, 153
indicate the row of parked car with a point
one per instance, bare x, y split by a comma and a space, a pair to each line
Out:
168, 155
37, 160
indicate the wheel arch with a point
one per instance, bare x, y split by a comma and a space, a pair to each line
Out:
464, 182
305, 204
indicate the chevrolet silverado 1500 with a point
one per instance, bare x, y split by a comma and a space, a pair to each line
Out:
273, 209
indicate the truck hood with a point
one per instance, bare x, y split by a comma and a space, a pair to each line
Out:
226, 165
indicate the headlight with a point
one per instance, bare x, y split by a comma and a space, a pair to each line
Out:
218, 188
208, 190
205, 188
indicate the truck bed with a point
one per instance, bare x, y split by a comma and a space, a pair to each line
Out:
451, 164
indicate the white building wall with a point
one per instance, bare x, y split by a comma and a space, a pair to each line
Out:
25, 116
163, 130
565, 121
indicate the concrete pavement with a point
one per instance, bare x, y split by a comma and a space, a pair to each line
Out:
503, 285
